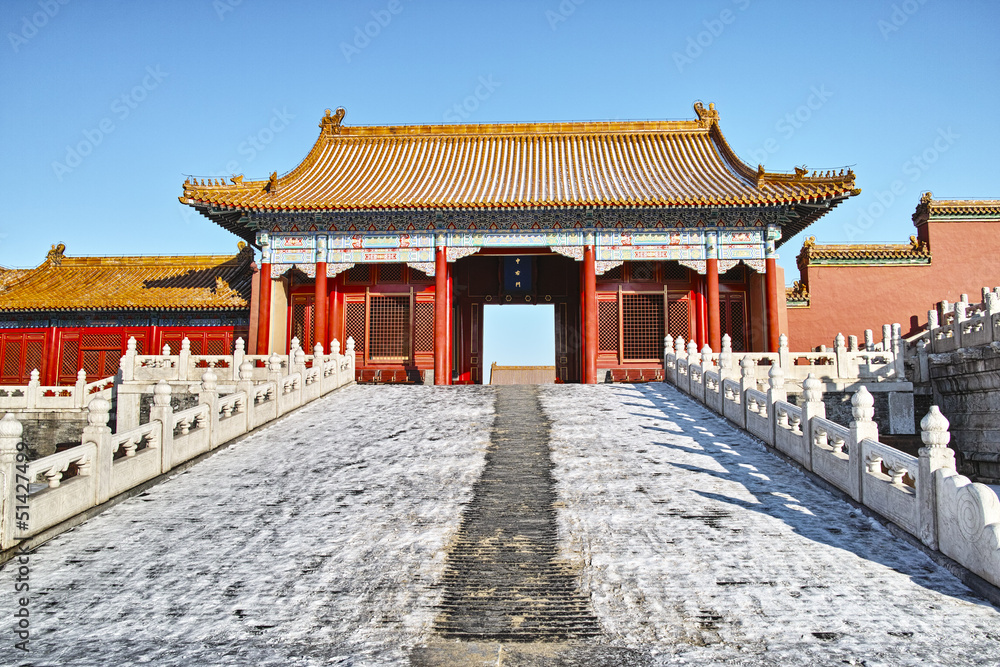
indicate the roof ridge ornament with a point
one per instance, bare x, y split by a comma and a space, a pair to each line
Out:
330, 123
706, 116
56, 254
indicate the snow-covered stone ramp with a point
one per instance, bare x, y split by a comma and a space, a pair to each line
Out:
324, 538
703, 547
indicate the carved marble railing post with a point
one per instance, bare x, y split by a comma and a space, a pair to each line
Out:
351, 358
852, 343
208, 394
337, 358
775, 392
669, 363
10, 437
80, 388
127, 365
812, 406
245, 385
726, 370
935, 455
34, 390
679, 347
297, 360
239, 353
784, 357
923, 361
162, 412
863, 426
898, 352
184, 360
961, 315
869, 340
843, 361
748, 380
932, 326
98, 432
692, 360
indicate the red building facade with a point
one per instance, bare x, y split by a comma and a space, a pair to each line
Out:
73, 313
398, 236
849, 288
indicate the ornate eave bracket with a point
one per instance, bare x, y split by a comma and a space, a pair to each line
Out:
454, 254
603, 266
698, 265
334, 269
573, 252
428, 268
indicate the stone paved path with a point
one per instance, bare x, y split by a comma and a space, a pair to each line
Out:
325, 540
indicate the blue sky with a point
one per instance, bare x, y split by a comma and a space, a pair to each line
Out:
108, 105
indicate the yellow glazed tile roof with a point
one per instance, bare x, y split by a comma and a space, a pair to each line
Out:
914, 252
634, 163
988, 209
207, 282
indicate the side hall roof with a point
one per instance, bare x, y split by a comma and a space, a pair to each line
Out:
624, 164
199, 282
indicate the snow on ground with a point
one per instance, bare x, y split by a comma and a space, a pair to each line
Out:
705, 548
313, 541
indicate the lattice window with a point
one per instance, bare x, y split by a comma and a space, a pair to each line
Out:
737, 274
389, 328
423, 326
643, 272
418, 276
607, 325
354, 325
613, 274
196, 344
101, 341
12, 357
70, 358
33, 349
301, 325
216, 345
390, 273
359, 274
92, 364
679, 318
642, 326
734, 322
110, 363
674, 271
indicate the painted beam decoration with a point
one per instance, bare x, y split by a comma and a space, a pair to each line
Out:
690, 247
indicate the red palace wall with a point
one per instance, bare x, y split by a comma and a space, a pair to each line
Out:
59, 353
850, 299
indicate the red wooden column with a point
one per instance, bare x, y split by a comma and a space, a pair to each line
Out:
334, 318
441, 317
320, 308
771, 282
712, 284
589, 316
264, 314
699, 311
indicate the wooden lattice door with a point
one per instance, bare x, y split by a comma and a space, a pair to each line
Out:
733, 319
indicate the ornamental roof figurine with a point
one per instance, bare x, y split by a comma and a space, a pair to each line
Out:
685, 164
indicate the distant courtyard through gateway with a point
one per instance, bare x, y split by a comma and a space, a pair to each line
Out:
518, 335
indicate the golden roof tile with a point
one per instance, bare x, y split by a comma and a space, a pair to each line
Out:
915, 252
630, 163
959, 209
199, 282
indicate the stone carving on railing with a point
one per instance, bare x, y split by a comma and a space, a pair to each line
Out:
234, 397
923, 495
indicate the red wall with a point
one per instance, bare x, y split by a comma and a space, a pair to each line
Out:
850, 299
